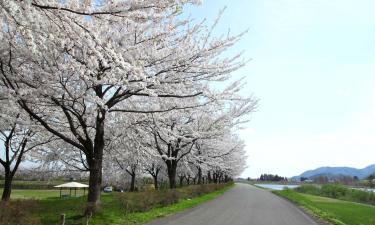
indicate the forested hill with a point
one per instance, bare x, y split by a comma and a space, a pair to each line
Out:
338, 171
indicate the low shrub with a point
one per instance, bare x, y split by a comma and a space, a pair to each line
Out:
18, 212
198, 190
338, 191
144, 201
334, 190
169, 197
360, 196
136, 202
309, 189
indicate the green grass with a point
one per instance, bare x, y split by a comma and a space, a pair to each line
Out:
112, 211
22, 184
40, 194
335, 211
73, 208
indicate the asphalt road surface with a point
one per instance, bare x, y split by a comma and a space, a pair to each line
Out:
242, 205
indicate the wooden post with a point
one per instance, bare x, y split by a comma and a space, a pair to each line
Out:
62, 219
70, 192
84, 190
60, 192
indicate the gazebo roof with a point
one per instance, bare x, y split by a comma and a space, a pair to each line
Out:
72, 185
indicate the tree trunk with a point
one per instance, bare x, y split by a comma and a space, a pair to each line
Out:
214, 178
199, 175
156, 185
132, 184
172, 168
219, 176
209, 180
95, 182
181, 180
7, 186
95, 163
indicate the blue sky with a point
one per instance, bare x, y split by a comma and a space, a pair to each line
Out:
313, 69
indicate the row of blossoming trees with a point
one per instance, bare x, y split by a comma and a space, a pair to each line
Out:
109, 86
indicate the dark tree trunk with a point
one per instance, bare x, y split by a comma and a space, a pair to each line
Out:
9, 174
132, 183
181, 180
172, 168
95, 182
199, 175
156, 185
7, 186
214, 177
95, 163
154, 172
209, 180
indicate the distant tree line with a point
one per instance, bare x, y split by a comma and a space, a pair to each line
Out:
342, 179
271, 177
371, 177
369, 181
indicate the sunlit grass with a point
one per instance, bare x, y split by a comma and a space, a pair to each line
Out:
42, 194
335, 211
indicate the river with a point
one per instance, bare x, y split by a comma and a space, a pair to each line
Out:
277, 186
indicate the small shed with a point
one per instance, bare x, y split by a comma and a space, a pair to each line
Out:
72, 186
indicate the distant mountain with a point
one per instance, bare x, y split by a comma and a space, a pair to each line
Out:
334, 172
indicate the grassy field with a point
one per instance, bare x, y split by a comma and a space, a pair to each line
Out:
335, 211
22, 184
41, 194
114, 208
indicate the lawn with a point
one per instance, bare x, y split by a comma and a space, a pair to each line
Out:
113, 210
41, 194
335, 211
22, 184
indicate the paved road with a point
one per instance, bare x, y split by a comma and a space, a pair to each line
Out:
242, 205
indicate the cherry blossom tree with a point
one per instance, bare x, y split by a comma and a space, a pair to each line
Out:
225, 158
129, 157
154, 166
18, 136
176, 134
73, 65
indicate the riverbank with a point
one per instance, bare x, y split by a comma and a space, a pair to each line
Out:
338, 191
334, 211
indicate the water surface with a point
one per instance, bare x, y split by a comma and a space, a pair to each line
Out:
366, 189
278, 187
